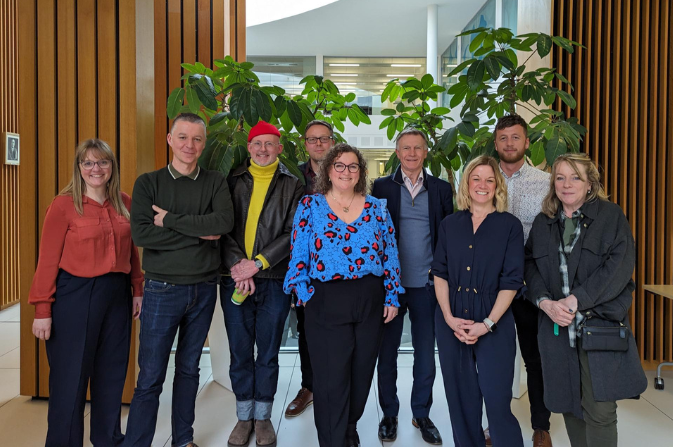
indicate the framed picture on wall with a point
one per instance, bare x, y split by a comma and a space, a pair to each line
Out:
12, 149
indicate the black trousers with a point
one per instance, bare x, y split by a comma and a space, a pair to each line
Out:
525, 317
344, 324
90, 341
304, 357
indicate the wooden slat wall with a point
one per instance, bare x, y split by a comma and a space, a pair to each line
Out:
624, 90
75, 54
9, 174
101, 68
190, 31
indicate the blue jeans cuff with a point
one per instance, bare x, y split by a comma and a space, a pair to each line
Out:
263, 410
245, 409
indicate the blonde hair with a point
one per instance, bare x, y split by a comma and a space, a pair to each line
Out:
77, 187
551, 203
463, 198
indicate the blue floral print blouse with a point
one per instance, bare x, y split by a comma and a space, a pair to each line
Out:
325, 248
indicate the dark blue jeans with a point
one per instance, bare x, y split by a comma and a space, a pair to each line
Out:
167, 308
259, 320
421, 306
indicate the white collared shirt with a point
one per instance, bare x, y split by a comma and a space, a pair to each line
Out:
414, 189
526, 189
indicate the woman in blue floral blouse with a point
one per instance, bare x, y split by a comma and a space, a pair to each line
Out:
344, 269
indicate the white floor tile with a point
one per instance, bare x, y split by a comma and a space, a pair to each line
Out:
9, 336
9, 385
12, 313
661, 399
23, 422
11, 360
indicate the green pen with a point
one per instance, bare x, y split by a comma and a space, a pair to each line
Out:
556, 329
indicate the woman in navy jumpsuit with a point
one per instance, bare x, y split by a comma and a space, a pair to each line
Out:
478, 269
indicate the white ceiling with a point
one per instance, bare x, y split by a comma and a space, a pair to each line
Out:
377, 28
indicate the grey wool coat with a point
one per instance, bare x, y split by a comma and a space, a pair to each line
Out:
599, 269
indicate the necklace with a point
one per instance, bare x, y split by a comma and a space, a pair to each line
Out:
344, 208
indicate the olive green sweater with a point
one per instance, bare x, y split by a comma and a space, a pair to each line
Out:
196, 207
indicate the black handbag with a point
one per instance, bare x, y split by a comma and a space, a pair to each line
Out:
605, 335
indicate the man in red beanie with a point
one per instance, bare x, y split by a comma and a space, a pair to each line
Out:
255, 256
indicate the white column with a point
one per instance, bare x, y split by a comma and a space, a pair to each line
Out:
319, 68
431, 57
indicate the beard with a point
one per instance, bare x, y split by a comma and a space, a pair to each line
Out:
512, 157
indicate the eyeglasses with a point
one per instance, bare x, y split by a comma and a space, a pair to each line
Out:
341, 167
88, 165
323, 140
268, 145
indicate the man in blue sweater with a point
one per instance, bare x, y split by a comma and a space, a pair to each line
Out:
417, 203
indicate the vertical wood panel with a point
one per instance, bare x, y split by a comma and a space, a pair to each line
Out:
107, 72
623, 85
86, 69
67, 88
204, 31
160, 83
189, 31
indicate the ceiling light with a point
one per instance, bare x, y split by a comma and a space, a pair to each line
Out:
343, 74
344, 65
405, 65
346, 83
400, 76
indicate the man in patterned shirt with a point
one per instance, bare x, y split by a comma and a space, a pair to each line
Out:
526, 188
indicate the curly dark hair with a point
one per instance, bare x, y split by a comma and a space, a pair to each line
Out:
322, 181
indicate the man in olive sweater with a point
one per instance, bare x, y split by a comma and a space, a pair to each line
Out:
178, 215
255, 258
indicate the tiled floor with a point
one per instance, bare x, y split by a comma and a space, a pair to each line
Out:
647, 422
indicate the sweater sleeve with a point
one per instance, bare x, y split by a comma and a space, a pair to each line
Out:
297, 279
54, 230
219, 221
145, 233
391, 258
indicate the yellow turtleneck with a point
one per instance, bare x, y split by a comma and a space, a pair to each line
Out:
261, 176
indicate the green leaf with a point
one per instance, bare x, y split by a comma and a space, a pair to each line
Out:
476, 42
364, 118
263, 105
413, 83
472, 31
353, 116
294, 113
427, 80
475, 75
448, 140
190, 68
440, 111
247, 65
563, 43
350, 97
455, 163
281, 104
386, 91
537, 155
554, 148
193, 100
218, 118
492, 67
206, 93
385, 122
249, 107
338, 124
461, 67
567, 98
466, 128
392, 128
175, 102
544, 43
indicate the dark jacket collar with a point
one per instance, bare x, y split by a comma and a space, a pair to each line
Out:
588, 209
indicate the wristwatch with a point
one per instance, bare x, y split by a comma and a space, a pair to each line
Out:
259, 264
490, 325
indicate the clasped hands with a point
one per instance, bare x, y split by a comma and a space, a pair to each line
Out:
159, 222
242, 273
561, 312
467, 331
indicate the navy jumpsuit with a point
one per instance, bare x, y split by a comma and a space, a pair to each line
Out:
477, 266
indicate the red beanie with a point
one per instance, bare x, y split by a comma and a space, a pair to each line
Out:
263, 128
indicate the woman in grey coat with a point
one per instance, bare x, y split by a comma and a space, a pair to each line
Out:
580, 257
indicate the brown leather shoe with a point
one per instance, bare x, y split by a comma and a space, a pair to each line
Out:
240, 435
487, 435
541, 438
264, 432
300, 403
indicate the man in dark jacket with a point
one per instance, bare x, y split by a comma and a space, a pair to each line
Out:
417, 203
255, 257
319, 139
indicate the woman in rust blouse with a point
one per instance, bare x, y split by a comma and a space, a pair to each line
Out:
87, 273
